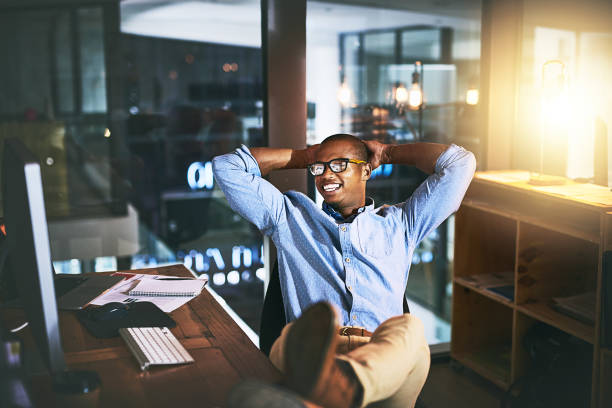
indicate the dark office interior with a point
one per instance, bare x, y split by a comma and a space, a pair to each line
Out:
125, 103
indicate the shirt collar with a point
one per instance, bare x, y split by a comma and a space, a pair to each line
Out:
329, 210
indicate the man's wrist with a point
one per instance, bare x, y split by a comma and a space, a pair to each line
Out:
300, 158
386, 156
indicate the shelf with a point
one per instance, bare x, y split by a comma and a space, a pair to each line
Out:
553, 224
466, 283
492, 363
544, 313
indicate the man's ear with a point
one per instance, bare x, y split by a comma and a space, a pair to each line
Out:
366, 171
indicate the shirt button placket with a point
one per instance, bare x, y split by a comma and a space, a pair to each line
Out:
347, 252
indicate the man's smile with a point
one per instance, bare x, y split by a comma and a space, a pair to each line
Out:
330, 187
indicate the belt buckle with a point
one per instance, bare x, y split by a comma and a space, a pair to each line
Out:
344, 331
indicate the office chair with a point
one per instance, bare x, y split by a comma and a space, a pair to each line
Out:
273, 313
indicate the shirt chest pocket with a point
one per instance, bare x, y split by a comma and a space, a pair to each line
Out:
374, 237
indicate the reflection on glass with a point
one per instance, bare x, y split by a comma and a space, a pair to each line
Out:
63, 61
125, 147
91, 50
421, 44
192, 94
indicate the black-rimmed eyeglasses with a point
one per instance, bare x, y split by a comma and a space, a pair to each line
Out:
335, 165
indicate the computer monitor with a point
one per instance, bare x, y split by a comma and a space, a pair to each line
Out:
29, 252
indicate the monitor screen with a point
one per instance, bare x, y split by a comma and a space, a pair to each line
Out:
29, 257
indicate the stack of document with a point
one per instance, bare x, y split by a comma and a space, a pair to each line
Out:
581, 307
166, 292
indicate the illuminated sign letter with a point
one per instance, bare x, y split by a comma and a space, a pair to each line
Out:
200, 175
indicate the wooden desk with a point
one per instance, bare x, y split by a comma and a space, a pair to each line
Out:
223, 356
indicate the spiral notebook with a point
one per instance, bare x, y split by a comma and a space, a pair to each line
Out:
157, 287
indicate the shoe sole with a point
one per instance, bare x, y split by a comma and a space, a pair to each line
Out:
312, 335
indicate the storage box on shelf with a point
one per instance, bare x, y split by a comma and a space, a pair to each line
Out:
523, 255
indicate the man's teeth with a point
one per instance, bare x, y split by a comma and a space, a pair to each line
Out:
331, 187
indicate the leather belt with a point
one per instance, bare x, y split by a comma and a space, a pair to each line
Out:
354, 331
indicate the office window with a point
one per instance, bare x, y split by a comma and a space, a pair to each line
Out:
63, 63
423, 44
92, 66
564, 100
125, 104
353, 72
192, 90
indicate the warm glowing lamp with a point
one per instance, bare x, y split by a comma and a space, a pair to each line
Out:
345, 95
471, 96
401, 95
553, 108
415, 99
415, 95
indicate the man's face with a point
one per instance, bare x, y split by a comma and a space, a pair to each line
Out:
345, 189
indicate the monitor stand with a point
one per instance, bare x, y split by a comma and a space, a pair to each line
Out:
80, 387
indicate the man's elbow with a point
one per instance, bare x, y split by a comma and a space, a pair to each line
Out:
220, 166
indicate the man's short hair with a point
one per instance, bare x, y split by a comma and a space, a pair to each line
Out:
360, 149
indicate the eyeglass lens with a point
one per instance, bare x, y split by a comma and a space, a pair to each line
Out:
336, 166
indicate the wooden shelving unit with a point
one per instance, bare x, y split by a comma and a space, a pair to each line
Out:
540, 243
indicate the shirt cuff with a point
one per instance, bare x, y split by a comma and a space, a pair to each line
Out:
451, 155
251, 165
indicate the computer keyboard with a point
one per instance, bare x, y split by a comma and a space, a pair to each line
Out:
154, 346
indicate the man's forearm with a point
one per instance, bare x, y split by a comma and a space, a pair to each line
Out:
421, 155
270, 159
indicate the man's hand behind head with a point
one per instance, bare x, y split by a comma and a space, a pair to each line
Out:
311, 153
377, 152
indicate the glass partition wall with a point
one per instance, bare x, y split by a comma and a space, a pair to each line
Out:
363, 62
125, 104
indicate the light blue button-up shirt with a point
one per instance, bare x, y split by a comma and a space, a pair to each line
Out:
360, 266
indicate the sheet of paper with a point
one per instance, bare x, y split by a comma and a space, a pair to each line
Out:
120, 293
504, 176
587, 192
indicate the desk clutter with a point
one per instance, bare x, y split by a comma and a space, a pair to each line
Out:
166, 292
141, 300
222, 354
106, 321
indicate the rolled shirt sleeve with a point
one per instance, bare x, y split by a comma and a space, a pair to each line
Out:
440, 194
250, 195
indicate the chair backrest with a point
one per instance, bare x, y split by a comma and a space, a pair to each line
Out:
273, 317
273, 313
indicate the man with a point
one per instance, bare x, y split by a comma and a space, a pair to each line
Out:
347, 257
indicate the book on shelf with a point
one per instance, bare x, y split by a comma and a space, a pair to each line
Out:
580, 307
505, 291
500, 283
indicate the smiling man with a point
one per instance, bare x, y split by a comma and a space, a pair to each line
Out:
344, 267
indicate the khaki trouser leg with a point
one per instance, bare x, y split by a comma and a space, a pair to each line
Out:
392, 367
